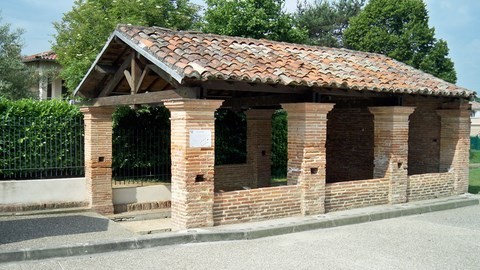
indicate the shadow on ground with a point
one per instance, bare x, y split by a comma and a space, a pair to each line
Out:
32, 228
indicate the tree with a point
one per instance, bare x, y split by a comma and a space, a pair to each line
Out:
83, 31
399, 29
16, 79
326, 21
252, 18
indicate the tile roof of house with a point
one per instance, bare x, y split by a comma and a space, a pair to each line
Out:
188, 56
43, 56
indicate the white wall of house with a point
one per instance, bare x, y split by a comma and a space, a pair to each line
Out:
475, 128
33, 192
41, 89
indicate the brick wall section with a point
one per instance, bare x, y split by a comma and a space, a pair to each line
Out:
307, 134
259, 145
430, 186
391, 149
192, 167
256, 204
98, 157
349, 144
233, 177
354, 194
423, 135
455, 146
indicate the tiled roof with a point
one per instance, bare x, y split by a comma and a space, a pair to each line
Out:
199, 56
45, 56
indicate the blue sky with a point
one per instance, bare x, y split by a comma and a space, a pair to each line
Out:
455, 21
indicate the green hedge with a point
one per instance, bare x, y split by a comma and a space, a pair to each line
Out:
141, 143
40, 139
279, 144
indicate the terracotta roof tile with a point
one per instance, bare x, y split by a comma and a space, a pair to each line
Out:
204, 57
43, 56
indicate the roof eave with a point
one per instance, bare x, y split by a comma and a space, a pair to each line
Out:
118, 34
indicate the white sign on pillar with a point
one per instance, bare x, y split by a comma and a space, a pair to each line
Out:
200, 138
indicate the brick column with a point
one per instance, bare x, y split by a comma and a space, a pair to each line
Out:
98, 157
391, 148
307, 135
259, 145
455, 146
193, 160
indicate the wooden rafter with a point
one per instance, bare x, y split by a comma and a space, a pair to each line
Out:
117, 77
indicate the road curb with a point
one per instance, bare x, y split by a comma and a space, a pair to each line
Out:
206, 235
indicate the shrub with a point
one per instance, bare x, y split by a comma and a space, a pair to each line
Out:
40, 139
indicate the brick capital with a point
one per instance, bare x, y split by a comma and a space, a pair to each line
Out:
304, 108
392, 110
91, 113
200, 105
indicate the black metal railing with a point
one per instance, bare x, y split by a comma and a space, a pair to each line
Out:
41, 147
141, 155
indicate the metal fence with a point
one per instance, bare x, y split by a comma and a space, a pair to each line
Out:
42, 148
141, 155
37, 147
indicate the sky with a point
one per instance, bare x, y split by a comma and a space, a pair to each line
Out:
455, 21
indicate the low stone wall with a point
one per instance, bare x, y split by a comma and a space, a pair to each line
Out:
28, 195
354, 194
256, 204
430, 186
126, 199
233, 177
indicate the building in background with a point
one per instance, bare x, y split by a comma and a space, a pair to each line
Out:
50, 85
475, 130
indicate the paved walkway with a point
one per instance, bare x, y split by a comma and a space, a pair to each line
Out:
60, 235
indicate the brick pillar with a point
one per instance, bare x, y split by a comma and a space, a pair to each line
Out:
391, 148
455, 146
193, 160
307, 135
259, 145
98, 157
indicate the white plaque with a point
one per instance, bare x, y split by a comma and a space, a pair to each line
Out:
200, 138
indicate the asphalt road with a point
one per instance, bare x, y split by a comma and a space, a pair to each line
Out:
440, 240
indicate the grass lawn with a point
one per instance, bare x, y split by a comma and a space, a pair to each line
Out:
474, 156
474, 186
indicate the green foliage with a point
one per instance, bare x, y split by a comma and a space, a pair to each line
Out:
279, 144
40, 139
16, 78
141, 143
475, 143
474, 156
474, 183
230, 137
399, 29
84, 30
253, 19
326, 20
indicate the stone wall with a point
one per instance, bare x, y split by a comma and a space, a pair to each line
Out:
354, 194
256, 204
430, 186
233, 177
